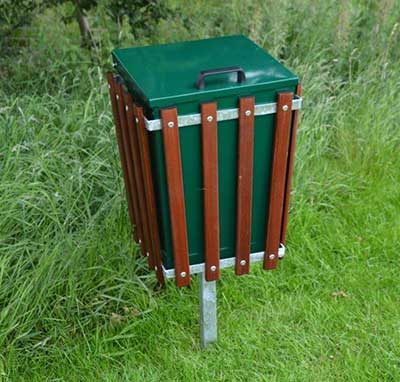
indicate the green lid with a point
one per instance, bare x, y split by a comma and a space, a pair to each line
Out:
166, 75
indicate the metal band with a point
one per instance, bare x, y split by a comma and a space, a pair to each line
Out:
224, 263
222, 115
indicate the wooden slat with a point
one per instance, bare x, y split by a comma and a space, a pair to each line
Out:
138, 176
128, 156
278, 179
244, 184
290, 169
210, 181
144, 151
176, 197
111, 88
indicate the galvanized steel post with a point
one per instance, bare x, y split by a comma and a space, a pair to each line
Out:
208, 310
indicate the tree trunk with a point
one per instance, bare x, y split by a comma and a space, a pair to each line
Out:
86, 34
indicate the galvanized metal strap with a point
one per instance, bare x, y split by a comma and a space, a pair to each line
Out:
225, 263
222, 115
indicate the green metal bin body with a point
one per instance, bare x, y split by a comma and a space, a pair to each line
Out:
165, 76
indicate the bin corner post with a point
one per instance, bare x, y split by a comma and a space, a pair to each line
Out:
208, 310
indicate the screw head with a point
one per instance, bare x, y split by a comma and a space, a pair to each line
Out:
109, 86
147, 254
117, 97
247, 113
210, 118
271, 256
213, 268
171, 124
137, 120
126, 107
242, 262
140, 241
285, 107
183, 274
155, 268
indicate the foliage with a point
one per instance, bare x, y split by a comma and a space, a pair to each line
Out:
142, 14
75, 300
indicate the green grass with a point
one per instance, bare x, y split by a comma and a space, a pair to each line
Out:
77, 303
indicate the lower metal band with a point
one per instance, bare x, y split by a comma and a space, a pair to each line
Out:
224, 263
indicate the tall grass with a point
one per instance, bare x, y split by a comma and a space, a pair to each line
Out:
76, 302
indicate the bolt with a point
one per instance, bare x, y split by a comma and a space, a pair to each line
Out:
285, 107
210, 118
242, 262
183, 274
140, 241
271, 256
171, 124
147, 254
126, 108
117, 97
247, 113
137, 120
213, 268
155, 268
109, 86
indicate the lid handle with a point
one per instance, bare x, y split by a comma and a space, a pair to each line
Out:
241, 77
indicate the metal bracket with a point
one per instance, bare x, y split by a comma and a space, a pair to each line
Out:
222, 115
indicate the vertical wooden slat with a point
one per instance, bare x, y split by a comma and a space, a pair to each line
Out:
144, 151
278, 179
244, 184
128, 156
210, 181
111, 88
176, 197
290, 169
138, 176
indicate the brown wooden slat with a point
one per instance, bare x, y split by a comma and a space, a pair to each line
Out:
111, 88
138, 176
128, 156
144, 151
210, 181
278, 179
290, 169
244, 184
176, 196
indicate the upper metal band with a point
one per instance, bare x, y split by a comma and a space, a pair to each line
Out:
222, 115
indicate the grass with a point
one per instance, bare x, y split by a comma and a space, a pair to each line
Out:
77, 303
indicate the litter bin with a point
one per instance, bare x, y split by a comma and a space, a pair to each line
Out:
206, 131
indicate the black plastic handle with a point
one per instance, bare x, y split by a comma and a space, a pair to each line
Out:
241, 77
